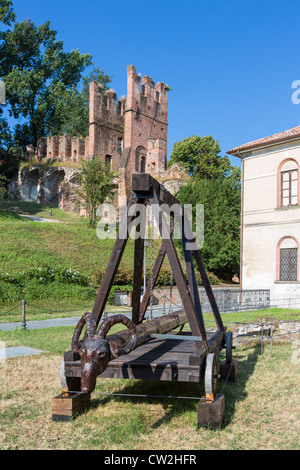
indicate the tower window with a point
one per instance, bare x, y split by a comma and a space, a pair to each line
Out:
143, 164
108, 160
120, 145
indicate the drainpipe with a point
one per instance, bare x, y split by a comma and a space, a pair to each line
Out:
242, 221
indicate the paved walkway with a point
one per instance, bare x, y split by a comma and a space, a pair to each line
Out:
68, 321
40, 219
17, 351
55, 322
38, 324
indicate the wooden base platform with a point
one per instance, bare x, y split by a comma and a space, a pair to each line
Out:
159, 359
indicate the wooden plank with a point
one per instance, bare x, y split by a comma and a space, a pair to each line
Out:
167, 360
138, 273
144, 184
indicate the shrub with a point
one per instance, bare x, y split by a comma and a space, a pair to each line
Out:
9, 293
35, 290
45, 275
43, 283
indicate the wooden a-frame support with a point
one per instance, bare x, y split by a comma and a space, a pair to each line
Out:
147, 190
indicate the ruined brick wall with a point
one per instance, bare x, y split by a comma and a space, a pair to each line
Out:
129, 134
146, 124
106, 137
138, 122
62, 148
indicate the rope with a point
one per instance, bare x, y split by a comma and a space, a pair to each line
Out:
175, 397
59, 311
15, 308
231, 365
152, 265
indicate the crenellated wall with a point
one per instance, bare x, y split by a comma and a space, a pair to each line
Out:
128, 134
62, 148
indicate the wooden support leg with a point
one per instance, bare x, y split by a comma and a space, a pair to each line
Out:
229, 370
211, 414
67, 405
113, 264
183, 289
138, 273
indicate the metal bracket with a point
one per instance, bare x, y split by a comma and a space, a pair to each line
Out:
181, 337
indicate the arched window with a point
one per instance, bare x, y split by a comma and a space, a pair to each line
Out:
288, 183
140, 159
108, 160
287, 259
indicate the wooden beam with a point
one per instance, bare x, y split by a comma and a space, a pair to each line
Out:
208, 289
114, 263
143, 185
156, 269
182, 286
192, 277
138, 271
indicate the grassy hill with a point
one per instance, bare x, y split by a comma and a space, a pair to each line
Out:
70, 242
64, 259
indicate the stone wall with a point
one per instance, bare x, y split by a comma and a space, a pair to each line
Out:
55, 186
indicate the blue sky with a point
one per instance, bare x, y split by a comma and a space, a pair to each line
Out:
230, 63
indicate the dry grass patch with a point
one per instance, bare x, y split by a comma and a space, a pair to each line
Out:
262, 409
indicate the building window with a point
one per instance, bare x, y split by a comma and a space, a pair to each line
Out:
288, 184
140, 159
120, 144
288, 259
288, 264
143, 164
289, 188
108, 160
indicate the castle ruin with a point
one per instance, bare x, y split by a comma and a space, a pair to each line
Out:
129, 135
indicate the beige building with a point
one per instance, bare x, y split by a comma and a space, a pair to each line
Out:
270, 221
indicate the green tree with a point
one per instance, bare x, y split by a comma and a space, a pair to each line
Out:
38, 74
97, 187
72, 111
221, 199
7, 14
95, 75
200, 156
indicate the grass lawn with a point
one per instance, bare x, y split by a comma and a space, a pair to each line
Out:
262, 404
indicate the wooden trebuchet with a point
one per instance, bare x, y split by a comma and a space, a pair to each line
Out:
96, 349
